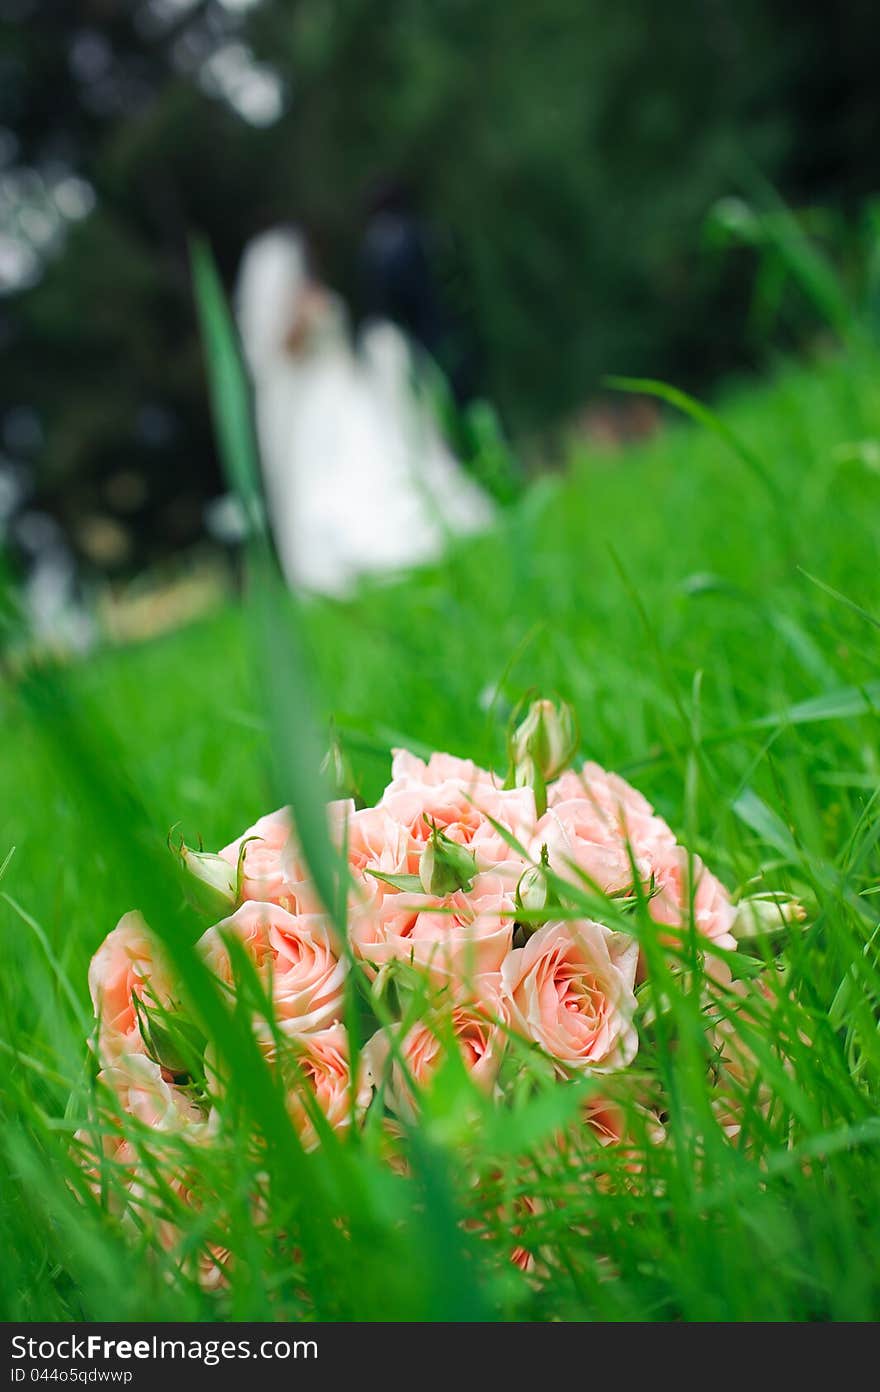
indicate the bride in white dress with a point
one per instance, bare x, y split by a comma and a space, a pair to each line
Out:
358, 479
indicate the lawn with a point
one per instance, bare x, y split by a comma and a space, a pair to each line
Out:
710, 614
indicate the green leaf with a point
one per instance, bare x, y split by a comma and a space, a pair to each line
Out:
845, 703
411, 883
761, 819
843, 599
7, 861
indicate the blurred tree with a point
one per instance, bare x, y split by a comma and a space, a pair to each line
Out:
565, 156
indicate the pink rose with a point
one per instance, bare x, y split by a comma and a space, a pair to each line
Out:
619, 813
571, 991
376, 842
250, 925
459, 798
269, 871
463, 935
463, 820
273, 869
99, 1149
320, 1065
713, 913
211, 1261
408, 771
477, 1027
609, 1124
141, 1092
295, 956
605, 1119
580, 843
144, 1093
391, 839
126, 966
312, 1065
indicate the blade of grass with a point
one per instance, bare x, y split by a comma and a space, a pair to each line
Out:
703, 415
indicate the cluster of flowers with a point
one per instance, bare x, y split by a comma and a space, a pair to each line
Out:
462, 912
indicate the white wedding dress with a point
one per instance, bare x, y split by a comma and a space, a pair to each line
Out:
358, 479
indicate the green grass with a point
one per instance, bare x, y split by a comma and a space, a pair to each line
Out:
666, 592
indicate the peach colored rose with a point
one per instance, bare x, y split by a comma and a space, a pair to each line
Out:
319, 1064
408, 772
264, 852
273, 868
312, 1065
385, 923
126, 966
580, 843
391, 839
462, 935
108, 1158
462, 820
250, 926
605, 1119
308, 983
144, 1093
675, 873
141, 1091
600, 1120
295, 956
377, 842
478, 1027
618, 810
210, 1262
460, 805
571, 991
608, 1124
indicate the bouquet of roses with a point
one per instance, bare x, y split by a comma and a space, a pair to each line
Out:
510, 923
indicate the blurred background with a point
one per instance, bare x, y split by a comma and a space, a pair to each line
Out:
580, 177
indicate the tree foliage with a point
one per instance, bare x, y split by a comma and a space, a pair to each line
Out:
565, 155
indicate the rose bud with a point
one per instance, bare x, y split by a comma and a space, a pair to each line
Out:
445, 866
542, 746
534, 893
763, 915
170, 1039
214, 874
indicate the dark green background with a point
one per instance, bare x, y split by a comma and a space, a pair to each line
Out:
571, 152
